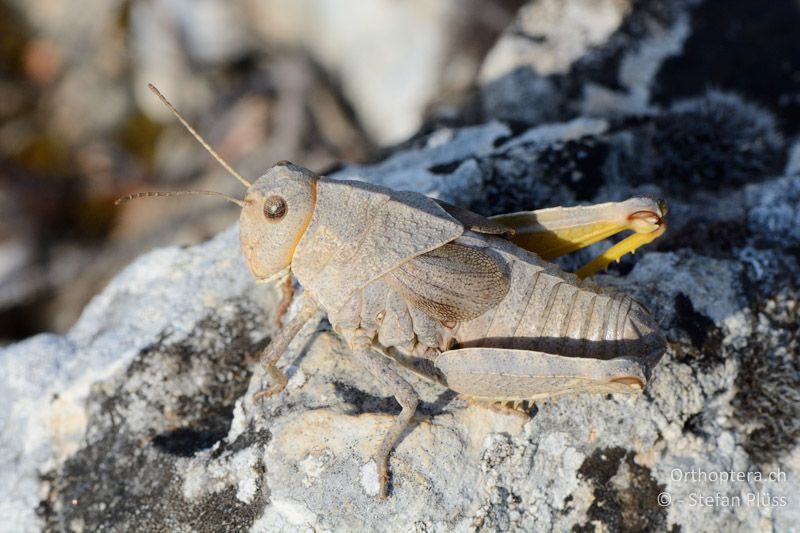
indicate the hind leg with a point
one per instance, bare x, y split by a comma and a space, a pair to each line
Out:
501, 375
558, 231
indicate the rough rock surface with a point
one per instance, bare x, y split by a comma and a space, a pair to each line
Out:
140, 418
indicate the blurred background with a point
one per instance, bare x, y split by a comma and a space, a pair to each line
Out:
310, 81
321, 82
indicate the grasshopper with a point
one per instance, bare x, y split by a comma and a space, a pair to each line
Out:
472, 303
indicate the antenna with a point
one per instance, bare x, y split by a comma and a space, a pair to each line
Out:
198, 136
179, 193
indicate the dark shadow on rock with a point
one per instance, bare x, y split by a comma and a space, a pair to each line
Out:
370, 403
649, 350
184, 442
748, 47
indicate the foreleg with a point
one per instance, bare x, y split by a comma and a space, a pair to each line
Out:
287, 294
279, 344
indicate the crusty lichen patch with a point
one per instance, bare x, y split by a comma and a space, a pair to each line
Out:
175, 400
625, 493
767, 401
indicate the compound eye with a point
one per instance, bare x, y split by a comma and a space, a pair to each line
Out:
275, 208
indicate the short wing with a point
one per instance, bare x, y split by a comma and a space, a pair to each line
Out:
475, 222
452, 283
359, 232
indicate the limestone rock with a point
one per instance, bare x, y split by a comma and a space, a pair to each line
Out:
140, 418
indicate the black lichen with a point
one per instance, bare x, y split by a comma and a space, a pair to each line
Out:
714, 141
578, 164
126, 477
767, 401
631, 504
115, 484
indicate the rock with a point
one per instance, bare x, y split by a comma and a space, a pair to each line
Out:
578, 58
616, 57
52, 377
140, 418
549, 36
149, 395
773, 213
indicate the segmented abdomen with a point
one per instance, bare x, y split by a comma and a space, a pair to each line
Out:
548, 311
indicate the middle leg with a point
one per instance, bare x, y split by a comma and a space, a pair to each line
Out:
380, 367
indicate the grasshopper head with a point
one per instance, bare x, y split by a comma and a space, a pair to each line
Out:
275, 212
278, 210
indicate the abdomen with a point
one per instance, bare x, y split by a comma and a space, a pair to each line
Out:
550, 311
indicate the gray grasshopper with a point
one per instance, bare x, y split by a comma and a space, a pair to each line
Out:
469, 302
